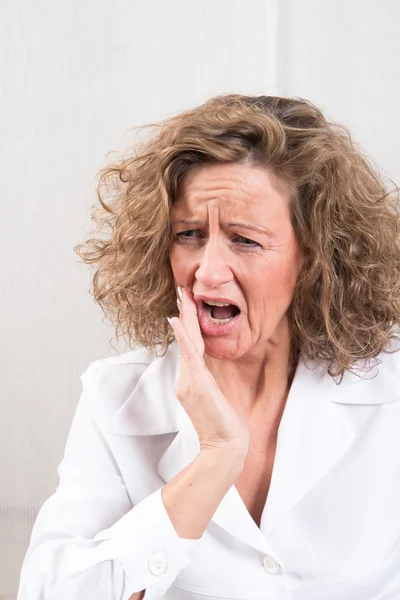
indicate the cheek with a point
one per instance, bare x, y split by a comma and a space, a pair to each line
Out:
172, 254
180, 262
271, 287
174, 260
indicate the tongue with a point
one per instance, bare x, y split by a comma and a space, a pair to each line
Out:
223, 312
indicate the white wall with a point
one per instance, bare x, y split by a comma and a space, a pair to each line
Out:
344, 56
77, 77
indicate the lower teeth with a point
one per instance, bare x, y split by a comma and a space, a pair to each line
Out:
217, 321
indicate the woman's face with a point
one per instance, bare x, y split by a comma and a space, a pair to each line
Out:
234, 243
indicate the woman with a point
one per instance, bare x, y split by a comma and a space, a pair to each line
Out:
248, 447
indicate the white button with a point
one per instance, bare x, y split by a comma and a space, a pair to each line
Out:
270, 565
158, 564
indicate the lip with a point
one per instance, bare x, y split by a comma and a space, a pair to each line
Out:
198, 298
212, 329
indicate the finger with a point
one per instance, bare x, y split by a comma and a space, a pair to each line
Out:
188, 315
188, 349
193, 371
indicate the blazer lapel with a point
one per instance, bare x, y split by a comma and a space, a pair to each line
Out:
152, 407
231, 513
319, 424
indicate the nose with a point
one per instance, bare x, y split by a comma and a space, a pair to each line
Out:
213, 269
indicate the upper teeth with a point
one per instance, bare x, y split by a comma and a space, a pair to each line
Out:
213, 303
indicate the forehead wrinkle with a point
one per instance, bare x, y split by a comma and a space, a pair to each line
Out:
241, 201
213, 218
247, 219
212, 188
239, 208
222, 194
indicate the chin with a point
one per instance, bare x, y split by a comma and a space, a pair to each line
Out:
222, 349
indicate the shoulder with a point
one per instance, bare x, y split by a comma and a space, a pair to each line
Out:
116, 369
110, 383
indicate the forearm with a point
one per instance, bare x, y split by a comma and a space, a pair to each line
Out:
137, 596
193, 495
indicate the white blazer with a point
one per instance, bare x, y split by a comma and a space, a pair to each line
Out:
330, 529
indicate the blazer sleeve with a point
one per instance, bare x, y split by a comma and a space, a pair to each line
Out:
88, 541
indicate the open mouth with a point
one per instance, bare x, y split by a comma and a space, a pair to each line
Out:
220, 313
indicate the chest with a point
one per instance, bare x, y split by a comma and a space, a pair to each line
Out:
254, 481
333, 518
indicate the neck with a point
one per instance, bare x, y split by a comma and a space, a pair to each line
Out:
257, 381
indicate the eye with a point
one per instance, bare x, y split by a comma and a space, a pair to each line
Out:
185, 234
194, 234
247, 242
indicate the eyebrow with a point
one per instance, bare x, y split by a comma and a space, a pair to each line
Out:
235, 224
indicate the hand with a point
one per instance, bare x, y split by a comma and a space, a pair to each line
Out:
217, 424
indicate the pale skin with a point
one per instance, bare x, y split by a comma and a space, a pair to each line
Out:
258, 270
233, 387
251, 365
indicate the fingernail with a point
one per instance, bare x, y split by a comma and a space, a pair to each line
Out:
180, 293
170, 322
179, 304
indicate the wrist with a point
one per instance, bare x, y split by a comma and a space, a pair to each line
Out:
225, 459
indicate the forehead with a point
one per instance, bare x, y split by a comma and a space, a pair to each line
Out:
253, 192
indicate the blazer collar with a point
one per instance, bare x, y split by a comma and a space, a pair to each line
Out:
163, 412
318, 411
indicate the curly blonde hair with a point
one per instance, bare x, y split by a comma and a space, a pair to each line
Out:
346, 303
